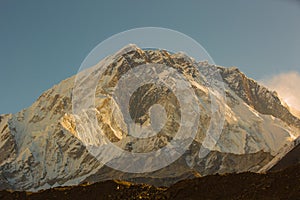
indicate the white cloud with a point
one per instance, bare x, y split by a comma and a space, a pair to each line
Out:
287, 85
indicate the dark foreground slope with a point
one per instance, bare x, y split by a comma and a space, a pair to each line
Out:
291, 158
273, 185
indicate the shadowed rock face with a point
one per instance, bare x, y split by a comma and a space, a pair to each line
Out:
41, 147
292, 158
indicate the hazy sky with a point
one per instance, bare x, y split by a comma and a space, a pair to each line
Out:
44, 42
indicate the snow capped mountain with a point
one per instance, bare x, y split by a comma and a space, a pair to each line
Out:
43, 146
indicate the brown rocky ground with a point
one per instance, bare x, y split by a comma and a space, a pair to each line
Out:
283, 184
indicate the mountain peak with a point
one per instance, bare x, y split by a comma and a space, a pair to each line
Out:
42, 148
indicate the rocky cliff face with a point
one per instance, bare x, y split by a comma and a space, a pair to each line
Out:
40, 146
257, 96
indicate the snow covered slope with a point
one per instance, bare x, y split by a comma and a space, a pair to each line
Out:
40, 146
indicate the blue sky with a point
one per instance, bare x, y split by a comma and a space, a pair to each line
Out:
44, 42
